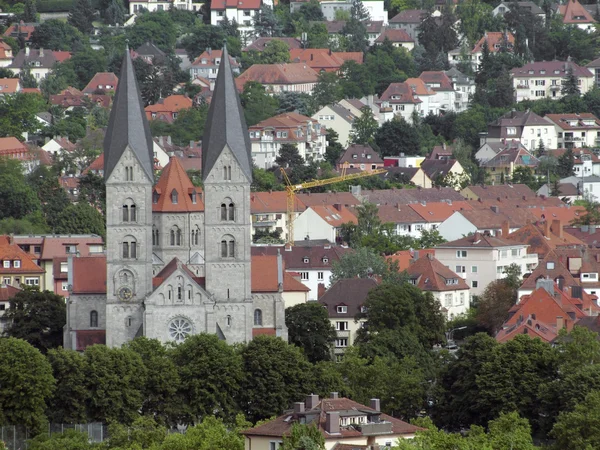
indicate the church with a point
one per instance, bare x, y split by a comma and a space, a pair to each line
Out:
178, 258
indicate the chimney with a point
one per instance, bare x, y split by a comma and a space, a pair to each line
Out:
11, 239
320, 290
545, 283
27, 51
279, 271
334, 395
375, 404
169, 139
41, 52
495, 209
546, 228
299, 407
311, 401
557, 228
505, 228
560, 323
338, 206
332, 422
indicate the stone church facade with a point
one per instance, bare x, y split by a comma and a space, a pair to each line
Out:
178, 258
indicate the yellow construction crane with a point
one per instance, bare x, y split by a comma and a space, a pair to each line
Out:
293, 188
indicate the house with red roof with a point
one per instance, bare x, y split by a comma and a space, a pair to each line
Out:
450, 289
496, 41
442, 85
242, 12
207, 65
6, 54
409, 21
71, 98
323, 223
7, 292
9, 86
323, 59
11, 147
166, 109
269, 212
575, 14
361, 157
20, 30
397, 37
344, 424
399, 99
277, 78
576, 130
18, 267
41, 61
101, 83
268, 136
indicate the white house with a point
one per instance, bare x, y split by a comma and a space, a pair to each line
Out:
576, 130
441, 84
337, 118
242, 11
136, 6
322, 223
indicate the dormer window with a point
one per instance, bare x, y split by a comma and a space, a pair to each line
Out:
174, 197
6, 264
342, 309
155, 196
550, 265
194, 197
17, 264
305, 260
325, 259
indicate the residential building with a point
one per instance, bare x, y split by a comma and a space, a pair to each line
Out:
406, 196
490, 149
167, 109
403, 161
268, 136
58, 145
399, 100
71, 98
242, 12
6, 54
150, 53
435, 213
21, 31
9, 86
397, 37
409, 21
495, 41
448, 288
40, 61
323, 59
408, 175
547, 310
528, 6
495, 221
322, 223
594, 67
138, 6
543, 79
344, 423
505, 191
442, 85
441, 152
6, 293
464, 87
18, 267
480, 259
542, 237
576, 130
361, 157
439, 169
311, 263
582, 187
405, 220
501, 167
524, 126
260, 43
50, 253
101, 83
344, 301
207, 65
429, 98
573, 13
269, 212
337, 118
374, 29
277, 78
11, 147
376, 8
588, 234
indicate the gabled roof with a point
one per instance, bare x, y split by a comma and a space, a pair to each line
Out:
409, 16
431, 275
399, 93
529, 6
209, 57
175, 179
305, 257
10, 251
437, 212
419, 87
358, 154
516, 156
226, 125
405, 196
398, 214
7, 292
494, 39
328, 198
541, 238
323, 58
352, 292
552, 69
433, 78
335, 215
551, 267
478, 240
486, 192
574, 12
394, 35
235, 4
290, 73
89, 275
405, 258
101, 79
127, 125
46, 58
272, 202
150, 49
575, 121
435, 168
9, 85
259, 44
264, 273
170, 104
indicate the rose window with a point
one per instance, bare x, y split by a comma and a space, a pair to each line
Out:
179, 329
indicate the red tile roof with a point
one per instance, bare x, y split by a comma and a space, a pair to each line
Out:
575, 121
351, 292
100, 81
299, 257
409, 16
13, 148
259, 44
89, 275
292, 73
394, 35
566, 214
494, 40
235, 4
405, 258
329, 198
7, 292
20, 28
324, 59
435, 212
553, 69
209, 58
360, 154
10, 251
542, 238
272, 202
431, 275
500, 191
335, 216
265, 277
399, 93
574, 12
168, 106
438, 81
9, 85
97, 165
174, 178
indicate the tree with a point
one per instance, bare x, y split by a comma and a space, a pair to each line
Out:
591, 216
27, 383
257, 104
68, 402
566, 162
51, 194
17, 198
276, 375
211, 375
311, 11
334, 149
355, 37
81, 218
363, 262
26, 77
212, 433
289, 156
299, 102
497, 298
37, 317
114, 378
144, 432
303, 437
201, 38
266, 23
579, 429
317, 36
430, 238
30, 14
55, 34
327, 90
310, 329
524, 175
570, 84
275, 52
115, 13
82, 15
364, 127
159, 28
92, 191
397, 136
69, 440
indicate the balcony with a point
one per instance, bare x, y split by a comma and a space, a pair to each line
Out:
342, 333
555, 87
375, 428
522, 86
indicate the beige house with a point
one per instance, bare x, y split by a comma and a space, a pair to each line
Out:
322, 222
480, 259
344, 423
344, 300
269, 212
336, 118
277, 78
17, 268
576, 130
40, 61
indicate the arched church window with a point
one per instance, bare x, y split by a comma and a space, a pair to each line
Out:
179, 329
128, 321
223, 211
155, 196
129, 211
231, 211
129, 173
125, 213
228, 321
129, 248
258, 321
227, 247
172, 236
154, 235
93, 319
132, 213
195, 236
178, 236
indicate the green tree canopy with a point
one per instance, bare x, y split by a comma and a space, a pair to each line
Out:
81, 218
257, 104
310, 329
81, 16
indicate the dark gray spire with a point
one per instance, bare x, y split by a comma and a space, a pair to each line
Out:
127, 125
225, 125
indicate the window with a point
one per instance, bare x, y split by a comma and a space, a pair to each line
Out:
340, 343
227, 210
474, 284
227, 173
540, 93
37, 249
6, 281
461, 269
129, 248
448, 300
195, 237
227, 247
461, 253
175, 236
504, 253
6, 264
129, 173
228, 321
258, 321
93, 319
514, 252
275, 445
155, 236
70, 249
179, 329
174, 197
342, 309
550, 265
304, 276
64, 286
473, 269
341, 326
17, 263
305, 260
461, 298
155, 196
32, 281
320, 276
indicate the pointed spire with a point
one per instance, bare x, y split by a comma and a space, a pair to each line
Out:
225, 125
127, 125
